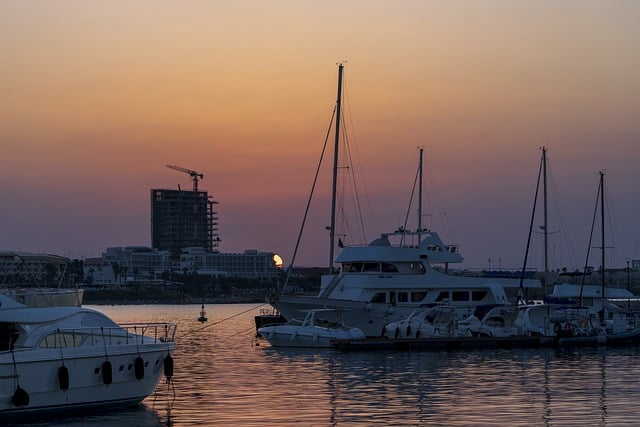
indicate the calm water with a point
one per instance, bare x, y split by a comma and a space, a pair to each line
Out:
225, 377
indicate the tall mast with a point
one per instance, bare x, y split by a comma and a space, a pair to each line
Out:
420, 197
602, 228
332, 229
545, 227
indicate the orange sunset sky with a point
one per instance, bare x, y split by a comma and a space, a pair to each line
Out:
98, 96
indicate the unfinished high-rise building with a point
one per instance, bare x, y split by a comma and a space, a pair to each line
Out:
182, 219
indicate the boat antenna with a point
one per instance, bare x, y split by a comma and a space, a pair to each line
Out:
332, 227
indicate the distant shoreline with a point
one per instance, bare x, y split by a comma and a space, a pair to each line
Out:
131, 297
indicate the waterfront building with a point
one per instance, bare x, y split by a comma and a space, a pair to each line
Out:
122, 265
250, 264
32, 268
182, 219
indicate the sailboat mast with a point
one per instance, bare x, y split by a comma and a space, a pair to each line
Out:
420, 197
332, 229
602, 228
546, 224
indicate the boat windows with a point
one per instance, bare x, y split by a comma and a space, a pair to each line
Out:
371, 267
403, 297
460, 296
478, 295
61, 340
352, 267
379, 297
8, 336
418, 296
443, 296
388, 268
417, 268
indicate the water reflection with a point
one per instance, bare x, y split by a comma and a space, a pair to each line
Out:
223, 378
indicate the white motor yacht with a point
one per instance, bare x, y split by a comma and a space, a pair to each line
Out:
68, 358
312, 331
395, 275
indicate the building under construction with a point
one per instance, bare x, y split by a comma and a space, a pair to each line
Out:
182, 219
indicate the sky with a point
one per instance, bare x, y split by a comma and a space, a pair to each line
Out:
98, 96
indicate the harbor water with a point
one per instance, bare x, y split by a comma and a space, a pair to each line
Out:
224, 376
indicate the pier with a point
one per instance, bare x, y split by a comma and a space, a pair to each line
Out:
448, 343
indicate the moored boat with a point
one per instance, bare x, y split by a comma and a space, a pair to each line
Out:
63, 359
439, 321
312, 331
394, 275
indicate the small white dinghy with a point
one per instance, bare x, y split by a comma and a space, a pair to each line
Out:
319, 329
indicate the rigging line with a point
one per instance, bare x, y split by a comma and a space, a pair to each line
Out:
306, 211
440, 201
617, 252
356, 199
526, 253
586, 261
360, 168
413, 191
220, 321
560, 217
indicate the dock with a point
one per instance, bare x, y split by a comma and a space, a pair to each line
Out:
439, 344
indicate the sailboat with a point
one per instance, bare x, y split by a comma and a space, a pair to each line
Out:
394, 275
615, 326
580, 314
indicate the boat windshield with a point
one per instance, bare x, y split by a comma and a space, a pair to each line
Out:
383, 267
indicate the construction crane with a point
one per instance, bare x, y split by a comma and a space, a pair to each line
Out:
194, 175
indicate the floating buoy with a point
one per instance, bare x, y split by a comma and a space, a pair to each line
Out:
20, 397
138, 367
63, 377
107, 372
168, 366
203, 315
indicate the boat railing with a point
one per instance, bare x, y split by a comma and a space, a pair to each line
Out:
129, 333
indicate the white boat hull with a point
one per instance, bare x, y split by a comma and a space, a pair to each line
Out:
37, 374
310, 337
370, 318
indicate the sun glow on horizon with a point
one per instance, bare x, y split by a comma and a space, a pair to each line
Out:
277, 259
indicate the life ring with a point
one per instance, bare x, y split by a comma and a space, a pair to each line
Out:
582, 323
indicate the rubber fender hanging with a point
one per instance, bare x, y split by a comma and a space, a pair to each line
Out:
63, 377
168, 366
107, 372
138, 367
20, 397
